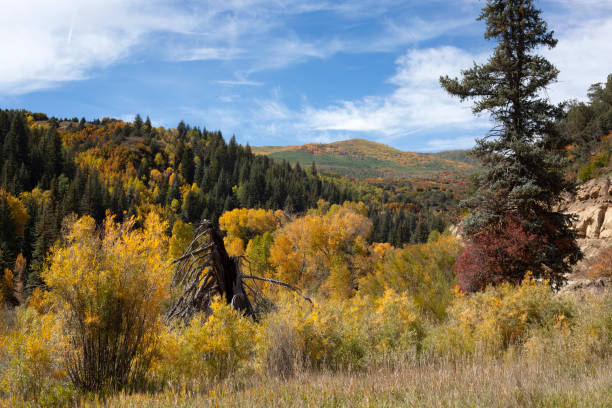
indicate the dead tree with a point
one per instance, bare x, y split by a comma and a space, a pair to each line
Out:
206, 270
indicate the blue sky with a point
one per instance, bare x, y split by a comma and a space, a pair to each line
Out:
277, 72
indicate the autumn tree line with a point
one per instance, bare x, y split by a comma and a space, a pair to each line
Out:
52, 168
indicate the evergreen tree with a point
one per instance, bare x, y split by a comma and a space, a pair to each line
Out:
191, 207
523, 156
187, 165
138, 121
7, 239
147, 125
46, 233
182, 129
93, 200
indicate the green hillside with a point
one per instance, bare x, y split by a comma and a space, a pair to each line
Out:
457, 155
365, 159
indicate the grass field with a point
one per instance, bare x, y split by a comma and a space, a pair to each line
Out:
493, 383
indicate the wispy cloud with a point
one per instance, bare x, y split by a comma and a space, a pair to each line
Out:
439, 145
207, 53
44, 43
583, 57
236, 82
418, 104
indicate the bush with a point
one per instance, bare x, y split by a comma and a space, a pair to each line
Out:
490, 322
397, 326
576, 342
109, 288
424, 272
280, 348
33, 367
601, 264
299, 335
210, 347
592, 336
340, 335
592, 168
500, 254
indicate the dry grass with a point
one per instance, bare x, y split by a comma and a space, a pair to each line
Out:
494, 383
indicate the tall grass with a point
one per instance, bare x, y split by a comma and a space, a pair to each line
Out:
492, 383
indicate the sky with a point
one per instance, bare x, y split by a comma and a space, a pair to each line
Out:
278, 72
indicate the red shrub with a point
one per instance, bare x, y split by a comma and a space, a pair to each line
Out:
500, 254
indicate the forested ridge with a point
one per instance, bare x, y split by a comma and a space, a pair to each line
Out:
52, 168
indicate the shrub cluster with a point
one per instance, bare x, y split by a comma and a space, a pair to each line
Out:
108, 289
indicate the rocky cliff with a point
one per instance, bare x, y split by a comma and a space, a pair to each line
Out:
592, 204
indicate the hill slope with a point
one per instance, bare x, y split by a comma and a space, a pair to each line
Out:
365, 159
457, 155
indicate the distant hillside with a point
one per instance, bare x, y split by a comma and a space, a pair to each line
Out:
365, 159
457, 155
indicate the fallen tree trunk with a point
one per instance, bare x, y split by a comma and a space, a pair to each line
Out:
206, 270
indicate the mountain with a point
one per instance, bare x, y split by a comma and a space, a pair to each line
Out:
360, 158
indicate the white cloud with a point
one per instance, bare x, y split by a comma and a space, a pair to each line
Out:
416, 107
584, 56
236, 82
47, 42
208, 53
439, 145
417, 104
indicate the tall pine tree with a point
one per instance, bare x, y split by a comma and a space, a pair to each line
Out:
523, 156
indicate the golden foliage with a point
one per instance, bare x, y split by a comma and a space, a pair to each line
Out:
34, 350
242, 224
110, 286
18, 212
208, 347
310, 249
182, 234
488, 323
339, 334
424, 272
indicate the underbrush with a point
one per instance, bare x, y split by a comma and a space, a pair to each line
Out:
508, 345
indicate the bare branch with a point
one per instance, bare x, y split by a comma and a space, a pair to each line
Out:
276, 282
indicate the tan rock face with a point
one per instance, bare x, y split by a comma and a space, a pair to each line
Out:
605, 230
592, 205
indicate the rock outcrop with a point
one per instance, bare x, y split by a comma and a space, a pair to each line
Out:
592, 205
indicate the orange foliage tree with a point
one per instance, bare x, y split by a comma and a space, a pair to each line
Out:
323, 249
